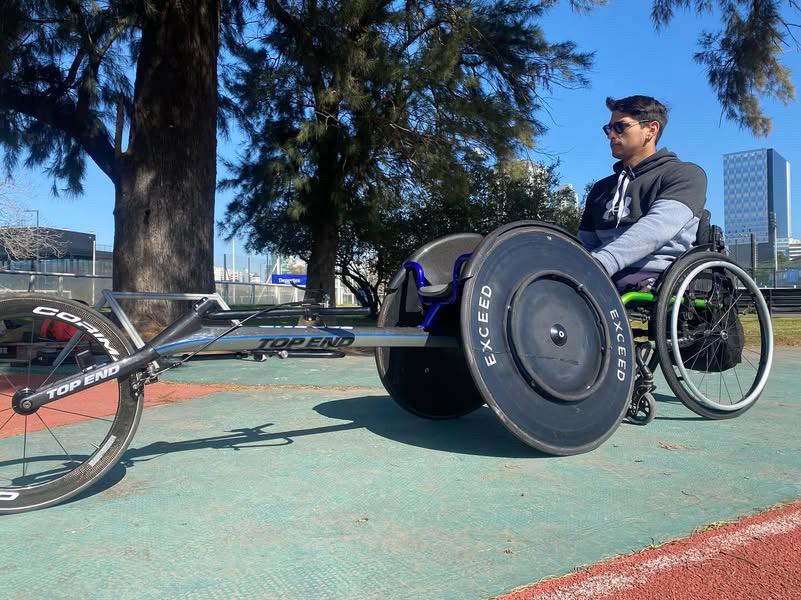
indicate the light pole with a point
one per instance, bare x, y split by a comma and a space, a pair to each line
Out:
94, 260
34, 210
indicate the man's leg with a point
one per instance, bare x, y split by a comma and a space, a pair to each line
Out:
635, 280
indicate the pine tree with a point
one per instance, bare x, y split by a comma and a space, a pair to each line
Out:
350, 105
65, 94
743, 59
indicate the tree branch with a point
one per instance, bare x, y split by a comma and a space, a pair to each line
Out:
303, 38
368, 17
89, 131
121, 26
72, 74
287, 20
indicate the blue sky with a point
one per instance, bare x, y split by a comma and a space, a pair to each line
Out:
630, 58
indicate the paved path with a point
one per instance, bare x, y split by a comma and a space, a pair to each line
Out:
275, 487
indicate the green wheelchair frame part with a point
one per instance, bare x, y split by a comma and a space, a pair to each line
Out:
649, 297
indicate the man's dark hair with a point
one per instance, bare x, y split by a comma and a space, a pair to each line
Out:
642, 108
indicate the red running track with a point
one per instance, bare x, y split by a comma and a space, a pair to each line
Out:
96, 402
758, 557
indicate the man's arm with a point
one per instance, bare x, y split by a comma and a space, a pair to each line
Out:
682, 196
665, 219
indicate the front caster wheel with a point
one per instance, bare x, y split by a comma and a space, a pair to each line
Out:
642, 410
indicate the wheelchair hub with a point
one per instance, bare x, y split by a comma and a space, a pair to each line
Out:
561, 374
566, 367
20, 404
558, 334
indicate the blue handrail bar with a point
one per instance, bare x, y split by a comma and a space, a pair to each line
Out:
432, 306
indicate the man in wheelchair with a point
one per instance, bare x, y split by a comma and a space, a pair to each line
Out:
638, 220
642, 225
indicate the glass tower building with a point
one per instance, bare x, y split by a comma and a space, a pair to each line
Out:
756, 197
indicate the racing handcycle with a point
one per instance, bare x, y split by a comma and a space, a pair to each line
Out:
523, 320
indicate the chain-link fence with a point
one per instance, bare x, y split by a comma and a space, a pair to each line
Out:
777, 278
88, 288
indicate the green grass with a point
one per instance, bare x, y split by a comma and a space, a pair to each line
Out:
786, 330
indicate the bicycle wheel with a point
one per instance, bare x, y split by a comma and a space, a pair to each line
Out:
63, 447
715, 340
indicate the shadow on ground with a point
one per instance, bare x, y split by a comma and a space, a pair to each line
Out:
664, 399
479, 433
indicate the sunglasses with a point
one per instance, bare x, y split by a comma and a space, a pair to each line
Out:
620, 126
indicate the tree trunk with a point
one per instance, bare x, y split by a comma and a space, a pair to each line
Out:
324, 220
320, 271
164, 209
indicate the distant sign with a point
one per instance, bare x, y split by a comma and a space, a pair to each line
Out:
288, 279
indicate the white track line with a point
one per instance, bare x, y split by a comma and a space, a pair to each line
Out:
611, 582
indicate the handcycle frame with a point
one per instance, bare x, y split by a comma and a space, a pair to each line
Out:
198, 330
203, 328
468, 321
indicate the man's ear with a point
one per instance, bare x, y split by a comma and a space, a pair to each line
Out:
654, 127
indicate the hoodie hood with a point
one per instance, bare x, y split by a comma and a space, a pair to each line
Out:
659, 158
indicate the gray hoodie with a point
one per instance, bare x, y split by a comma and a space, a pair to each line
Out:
646, 216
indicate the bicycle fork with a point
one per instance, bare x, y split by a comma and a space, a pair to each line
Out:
27, 401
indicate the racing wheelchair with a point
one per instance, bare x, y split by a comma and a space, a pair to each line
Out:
522, 319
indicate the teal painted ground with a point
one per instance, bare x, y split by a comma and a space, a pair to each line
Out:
321, 493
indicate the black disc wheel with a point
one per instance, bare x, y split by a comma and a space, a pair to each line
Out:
547, 339
714, 337
53, 453
433, 383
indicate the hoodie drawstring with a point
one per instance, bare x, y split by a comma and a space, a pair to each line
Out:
618, 203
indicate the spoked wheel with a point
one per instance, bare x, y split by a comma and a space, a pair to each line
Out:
716, 345
55, 452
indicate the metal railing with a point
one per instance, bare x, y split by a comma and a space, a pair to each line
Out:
89, 288
776, 278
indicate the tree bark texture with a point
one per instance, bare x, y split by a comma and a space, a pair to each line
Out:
324, 220
320, 271
164, 208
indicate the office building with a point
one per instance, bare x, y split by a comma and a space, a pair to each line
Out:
756, 200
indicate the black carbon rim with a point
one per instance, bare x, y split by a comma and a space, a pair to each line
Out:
61, 449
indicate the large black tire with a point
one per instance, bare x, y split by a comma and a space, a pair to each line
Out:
752, 380
66, 445
433, 383
546, 338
